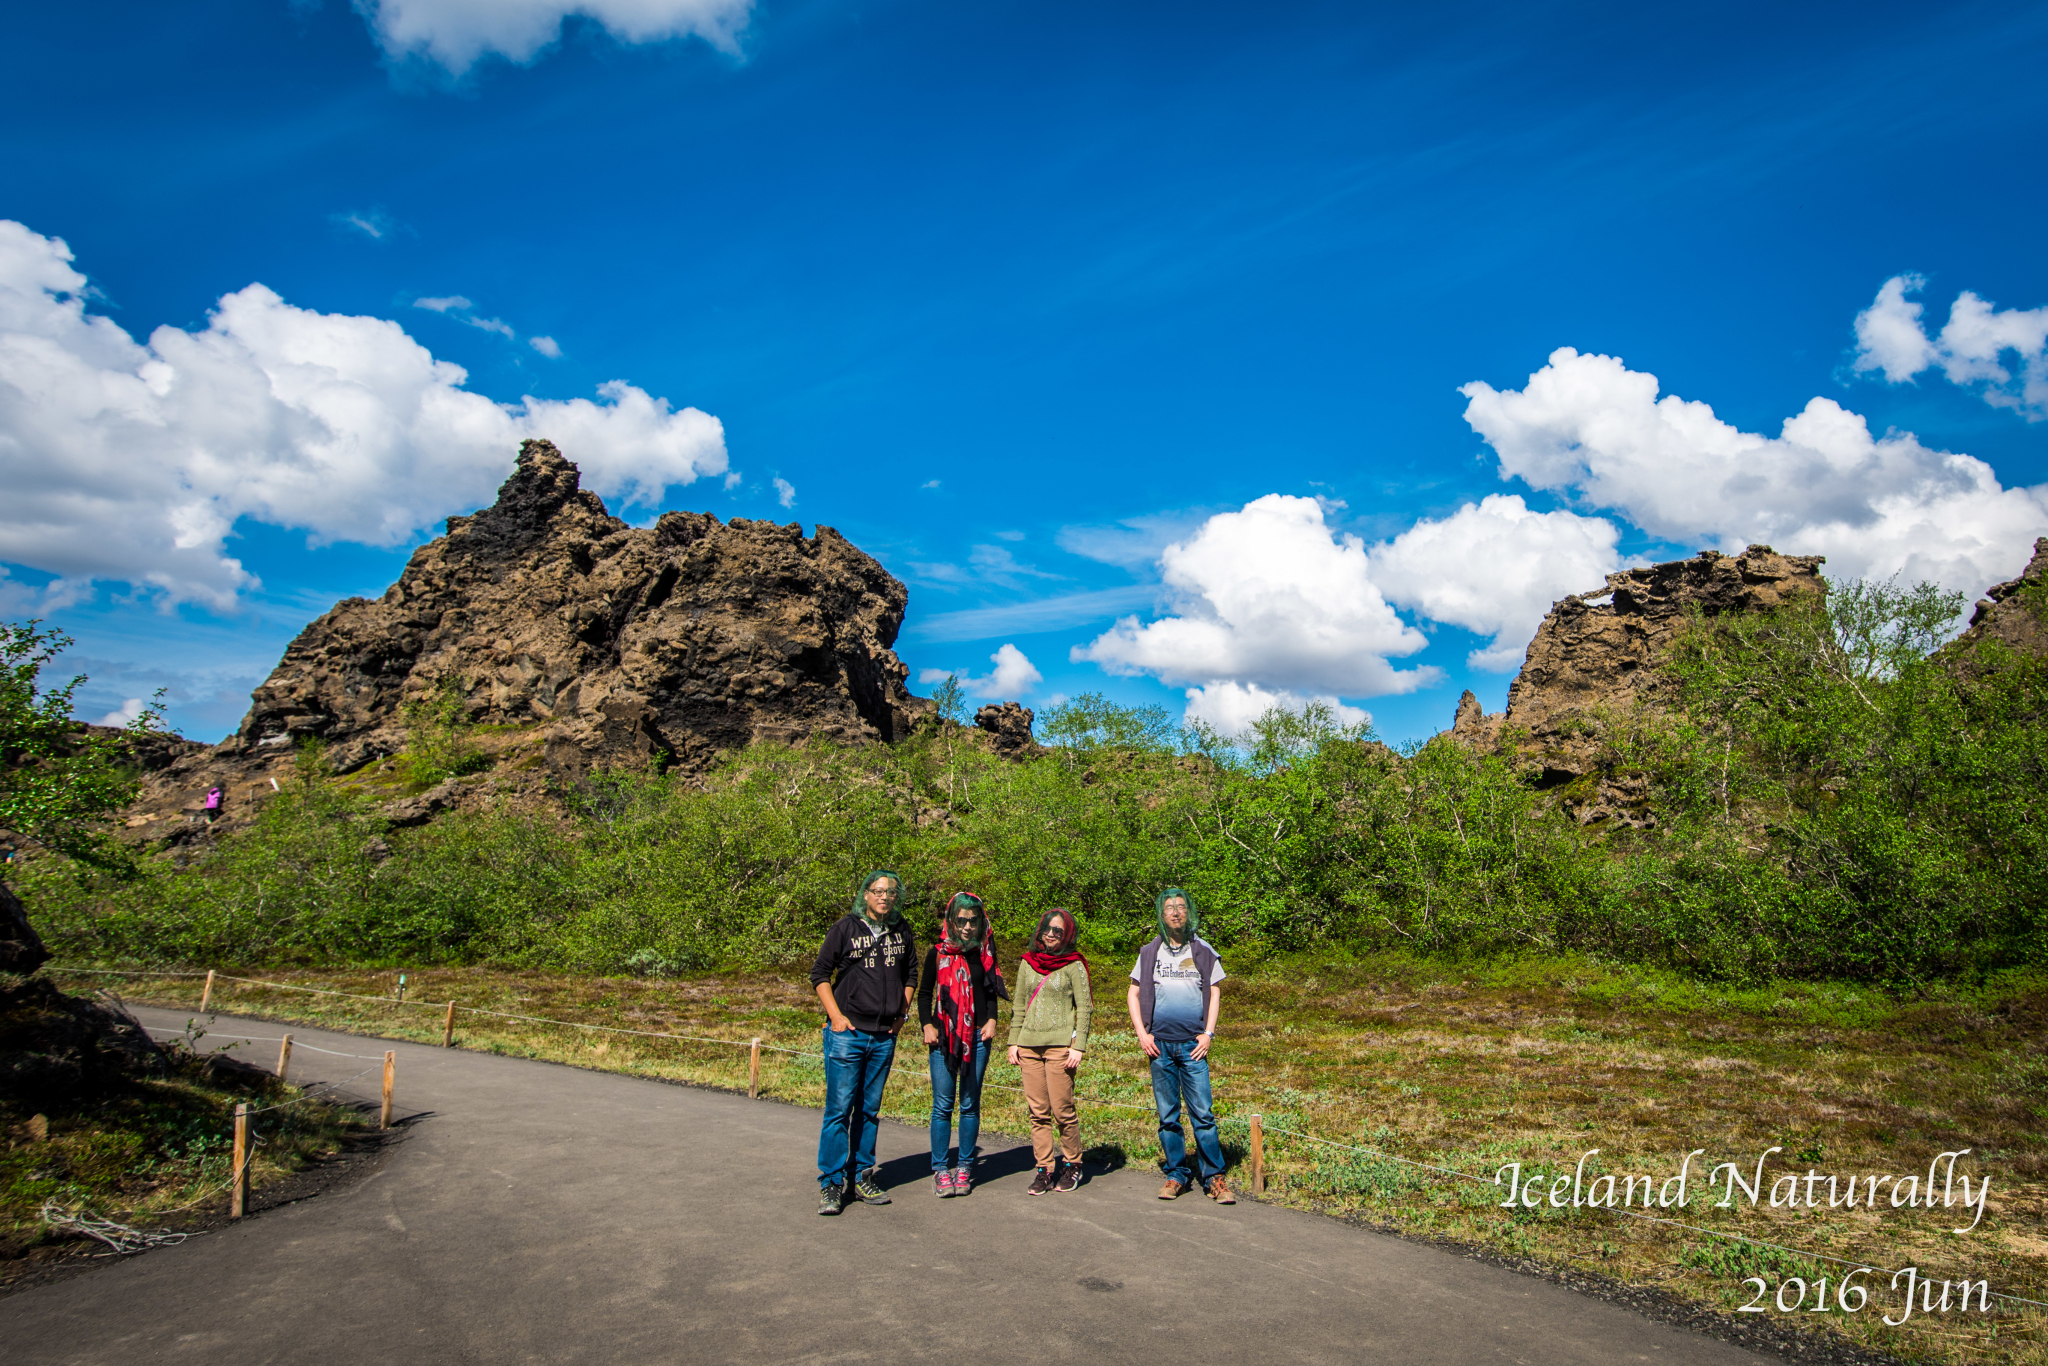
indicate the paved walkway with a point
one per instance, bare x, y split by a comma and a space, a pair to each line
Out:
539, 1213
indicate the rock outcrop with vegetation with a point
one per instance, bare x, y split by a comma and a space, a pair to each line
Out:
598, 643
1008, 728
1592, 658
2015, 612
1598, 659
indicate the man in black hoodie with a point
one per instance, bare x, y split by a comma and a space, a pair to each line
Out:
866, 977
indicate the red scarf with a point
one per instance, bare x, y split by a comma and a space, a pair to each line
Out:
955, 997
1046, 964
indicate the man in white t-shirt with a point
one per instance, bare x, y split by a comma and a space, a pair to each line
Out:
1174, 998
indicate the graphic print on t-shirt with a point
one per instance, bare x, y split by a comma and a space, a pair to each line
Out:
877, 948
1180, 1006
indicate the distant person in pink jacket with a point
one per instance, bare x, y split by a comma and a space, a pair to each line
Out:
215, 800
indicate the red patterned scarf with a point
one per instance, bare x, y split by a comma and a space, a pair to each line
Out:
954, 991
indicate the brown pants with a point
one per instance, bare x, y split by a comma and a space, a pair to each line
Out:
1049, 1092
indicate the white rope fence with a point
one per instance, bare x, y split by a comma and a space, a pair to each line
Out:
120, 1237
297, 1047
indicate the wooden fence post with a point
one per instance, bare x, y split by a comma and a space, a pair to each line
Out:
238, 1189
206, 995
1258, 1157
284, 1057
448, 1028
754, 1070
390, 1067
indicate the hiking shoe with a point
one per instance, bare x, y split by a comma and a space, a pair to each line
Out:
831, 1199
963, 1182
868, 1191
942, 1184
1173, 1189
1219, 1191
1041, 1183
1069, 1178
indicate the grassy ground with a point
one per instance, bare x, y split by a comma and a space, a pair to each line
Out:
1465, 1067
153, 1154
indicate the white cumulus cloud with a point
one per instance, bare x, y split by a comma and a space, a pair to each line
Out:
1014, 675
547, 346
1231, 707
1268, 596
1588, 426
455, 34
1970, 350
130, 709
1495, 567
131, 461
1889, 335
785, 492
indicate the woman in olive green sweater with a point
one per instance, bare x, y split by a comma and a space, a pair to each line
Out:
1048, 1035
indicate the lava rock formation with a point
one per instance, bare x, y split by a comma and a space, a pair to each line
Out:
624, 646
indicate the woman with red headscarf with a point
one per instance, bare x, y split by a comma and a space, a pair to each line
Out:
1048, 1035
956, 1003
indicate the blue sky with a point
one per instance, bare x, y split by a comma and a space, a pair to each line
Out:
1020, 298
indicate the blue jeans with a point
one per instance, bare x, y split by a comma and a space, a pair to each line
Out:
856, 1070
966, 1087
1175, 1072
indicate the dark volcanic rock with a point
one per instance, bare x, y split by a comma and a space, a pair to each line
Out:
1591, 659
418, 810
620, 646
2014, 612
1009, 729
1594, 663
21, 948
150, 753
1471, 726
56, 1048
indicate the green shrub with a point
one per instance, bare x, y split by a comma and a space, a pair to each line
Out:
439, 738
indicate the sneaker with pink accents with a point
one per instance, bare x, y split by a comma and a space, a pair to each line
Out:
942, 1184
962, 1182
